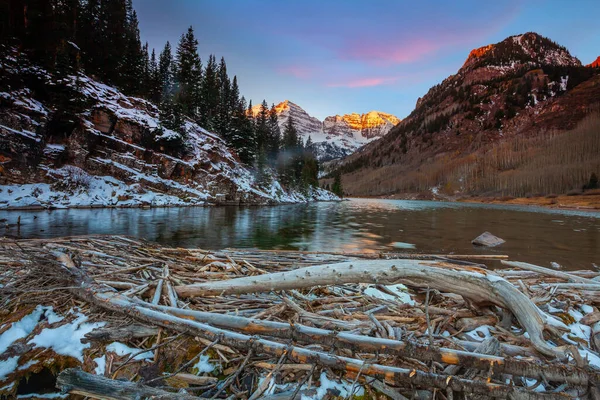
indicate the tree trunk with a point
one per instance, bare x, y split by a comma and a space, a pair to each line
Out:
474, 284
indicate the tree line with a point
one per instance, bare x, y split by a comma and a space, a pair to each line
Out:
102, 39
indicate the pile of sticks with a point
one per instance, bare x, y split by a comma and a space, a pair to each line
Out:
275, 321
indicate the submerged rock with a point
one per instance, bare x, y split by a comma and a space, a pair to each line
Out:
487, 239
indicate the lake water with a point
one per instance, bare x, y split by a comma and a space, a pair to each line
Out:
537, 235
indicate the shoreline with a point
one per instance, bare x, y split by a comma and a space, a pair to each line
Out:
148, 207
581, 202
562, 202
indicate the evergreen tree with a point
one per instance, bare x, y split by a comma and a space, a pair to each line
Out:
262, 127
288, 158
274, 136
165, 73
223, 115
209, 95
131, 75
337, 185
171, 118
154, 82
189, 74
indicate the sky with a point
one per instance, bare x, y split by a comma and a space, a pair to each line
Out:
343, 56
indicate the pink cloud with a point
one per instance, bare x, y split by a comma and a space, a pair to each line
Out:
296, 71
364, 82
380, 52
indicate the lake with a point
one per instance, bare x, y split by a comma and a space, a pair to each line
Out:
532, 234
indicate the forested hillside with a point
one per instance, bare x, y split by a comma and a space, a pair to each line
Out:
82, 63
492, 129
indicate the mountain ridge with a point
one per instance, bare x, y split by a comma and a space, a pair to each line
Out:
336, 136
517, 88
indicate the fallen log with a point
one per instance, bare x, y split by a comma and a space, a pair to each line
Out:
476, 286
358, 343
393, 375
75, 381
120, 334
550, 272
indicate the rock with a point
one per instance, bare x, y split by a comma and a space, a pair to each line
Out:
487, 239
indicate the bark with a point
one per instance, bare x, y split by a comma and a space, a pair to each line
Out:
478, 286
359, 343
121, 334
75, 381
550, 272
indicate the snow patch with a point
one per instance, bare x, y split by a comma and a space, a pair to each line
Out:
121, 349
66, 339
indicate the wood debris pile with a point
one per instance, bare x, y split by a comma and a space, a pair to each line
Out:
115, 317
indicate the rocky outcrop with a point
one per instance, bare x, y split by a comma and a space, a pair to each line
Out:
364, 127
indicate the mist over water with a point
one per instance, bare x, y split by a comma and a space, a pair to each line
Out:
536, 235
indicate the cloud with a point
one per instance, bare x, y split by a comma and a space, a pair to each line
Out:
296, 71
364, 82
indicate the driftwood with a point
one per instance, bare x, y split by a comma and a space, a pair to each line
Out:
359, 343
550, 272
375, 341
124, 333
75, 381
477, 286
86, 290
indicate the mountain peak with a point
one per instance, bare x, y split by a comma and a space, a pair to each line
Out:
528, 48
595, 63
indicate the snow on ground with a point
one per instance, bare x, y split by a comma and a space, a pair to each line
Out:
104, 191
343, 387
100, 365
66, 339
121, 349
400, 293
203, 365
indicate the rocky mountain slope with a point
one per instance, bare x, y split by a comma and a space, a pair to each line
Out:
72, 141
339, 135
515, 90
595, 63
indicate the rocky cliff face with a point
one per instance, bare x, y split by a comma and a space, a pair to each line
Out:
595, 63
521, 87
72, 141
363, 127
339, 135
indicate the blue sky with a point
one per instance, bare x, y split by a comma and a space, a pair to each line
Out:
342, 56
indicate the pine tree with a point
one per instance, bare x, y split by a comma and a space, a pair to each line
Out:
189, 74
154, 83
223, 116
262, 128
132, 69
171, 118
165, 73
287, 161
209, 95
274, 137
337, 185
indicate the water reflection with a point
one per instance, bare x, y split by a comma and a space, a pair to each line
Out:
571, 238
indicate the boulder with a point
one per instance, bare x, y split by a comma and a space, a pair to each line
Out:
487, 239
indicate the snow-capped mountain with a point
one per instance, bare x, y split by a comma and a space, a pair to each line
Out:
338, 135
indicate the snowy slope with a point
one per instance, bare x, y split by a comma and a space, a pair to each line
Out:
102, 161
